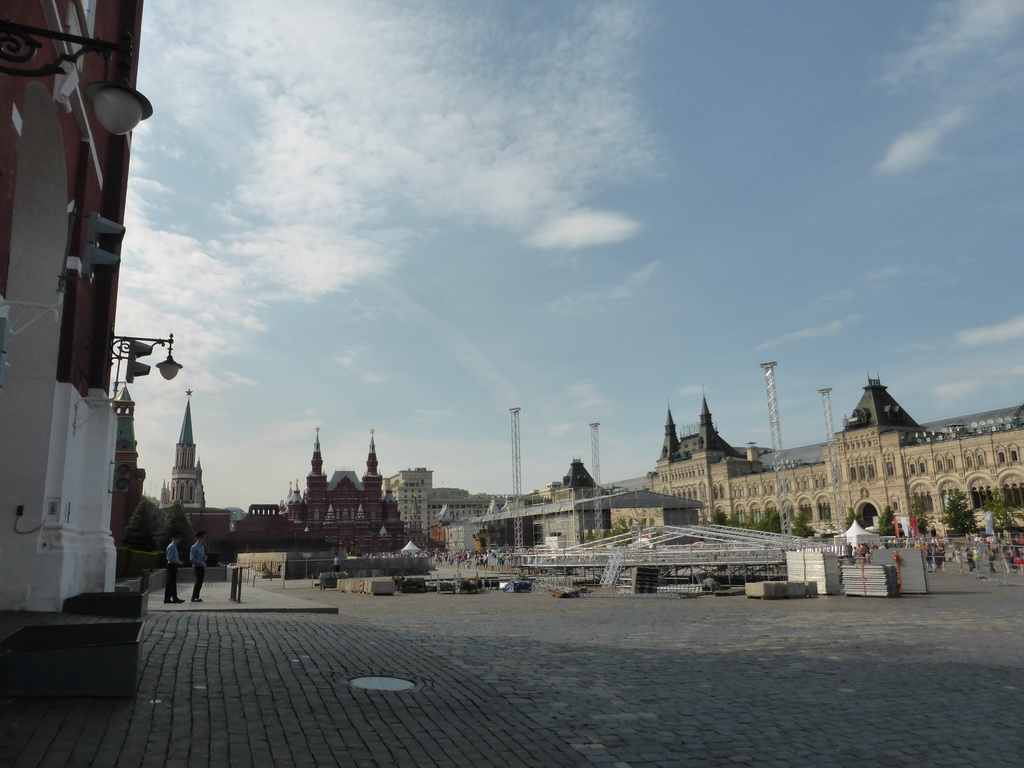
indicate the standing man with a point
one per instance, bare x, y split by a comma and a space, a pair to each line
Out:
337, 562
197, 556
173, 561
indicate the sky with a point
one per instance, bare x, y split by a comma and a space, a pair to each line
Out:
410, 217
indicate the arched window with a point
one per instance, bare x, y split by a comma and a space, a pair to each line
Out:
968, 463
1014, 494
938, 465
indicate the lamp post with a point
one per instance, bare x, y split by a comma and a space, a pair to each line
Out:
128, 349
118, 106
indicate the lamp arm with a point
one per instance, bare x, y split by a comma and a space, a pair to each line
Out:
18, 45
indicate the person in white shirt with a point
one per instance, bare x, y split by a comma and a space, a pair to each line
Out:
197, 557
173, 562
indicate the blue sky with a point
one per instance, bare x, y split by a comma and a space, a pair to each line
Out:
411, 217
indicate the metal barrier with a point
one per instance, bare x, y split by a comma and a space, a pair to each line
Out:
236, 581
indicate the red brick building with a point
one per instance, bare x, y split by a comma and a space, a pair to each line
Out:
63, 182
348, 511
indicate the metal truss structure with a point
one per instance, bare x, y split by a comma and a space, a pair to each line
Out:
781, 485
683, 555
839, 515
517, 484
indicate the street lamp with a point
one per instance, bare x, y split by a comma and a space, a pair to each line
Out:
117, 105
129, 348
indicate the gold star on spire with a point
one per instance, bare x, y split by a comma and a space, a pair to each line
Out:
188, 393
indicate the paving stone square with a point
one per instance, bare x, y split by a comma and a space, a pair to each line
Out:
530, 680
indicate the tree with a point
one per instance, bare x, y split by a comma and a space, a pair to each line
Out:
802, 524
718, 517
176, 522
770, 521
1004, 515
919, 511
850, 517
886, 523
958, 517
140, 533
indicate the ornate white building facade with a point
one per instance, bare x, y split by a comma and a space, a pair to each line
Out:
885, 457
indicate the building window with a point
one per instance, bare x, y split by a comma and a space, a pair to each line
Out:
922, 468
968, 463
981, 460
950, 465
890, 470
1002, 457
871, 470
938, 465
1013, 456
860, 472
1014, 494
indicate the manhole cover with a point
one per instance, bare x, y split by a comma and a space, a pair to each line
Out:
383, 683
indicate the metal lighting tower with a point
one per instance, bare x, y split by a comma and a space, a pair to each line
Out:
517, 483
833, 460
780, 471
595, 464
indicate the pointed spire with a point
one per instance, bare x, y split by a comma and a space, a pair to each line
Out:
185, 438
670, 446
371, 459
317, 462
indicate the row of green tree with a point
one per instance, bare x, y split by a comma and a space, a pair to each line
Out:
147, 531
957, 516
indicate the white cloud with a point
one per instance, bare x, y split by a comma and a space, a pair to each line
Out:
957, 29
598, 300
921, 145
1011, 330
829, 329
834, 297
887, 273
585, 397
295, 180
428, 109
583, 228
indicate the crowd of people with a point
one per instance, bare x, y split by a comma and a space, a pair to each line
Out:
979, 554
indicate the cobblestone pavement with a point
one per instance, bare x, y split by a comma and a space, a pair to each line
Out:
528, 680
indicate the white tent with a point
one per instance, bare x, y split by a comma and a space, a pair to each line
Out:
410, 548
857, 535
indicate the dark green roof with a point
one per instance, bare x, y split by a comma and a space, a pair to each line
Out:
186, 426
